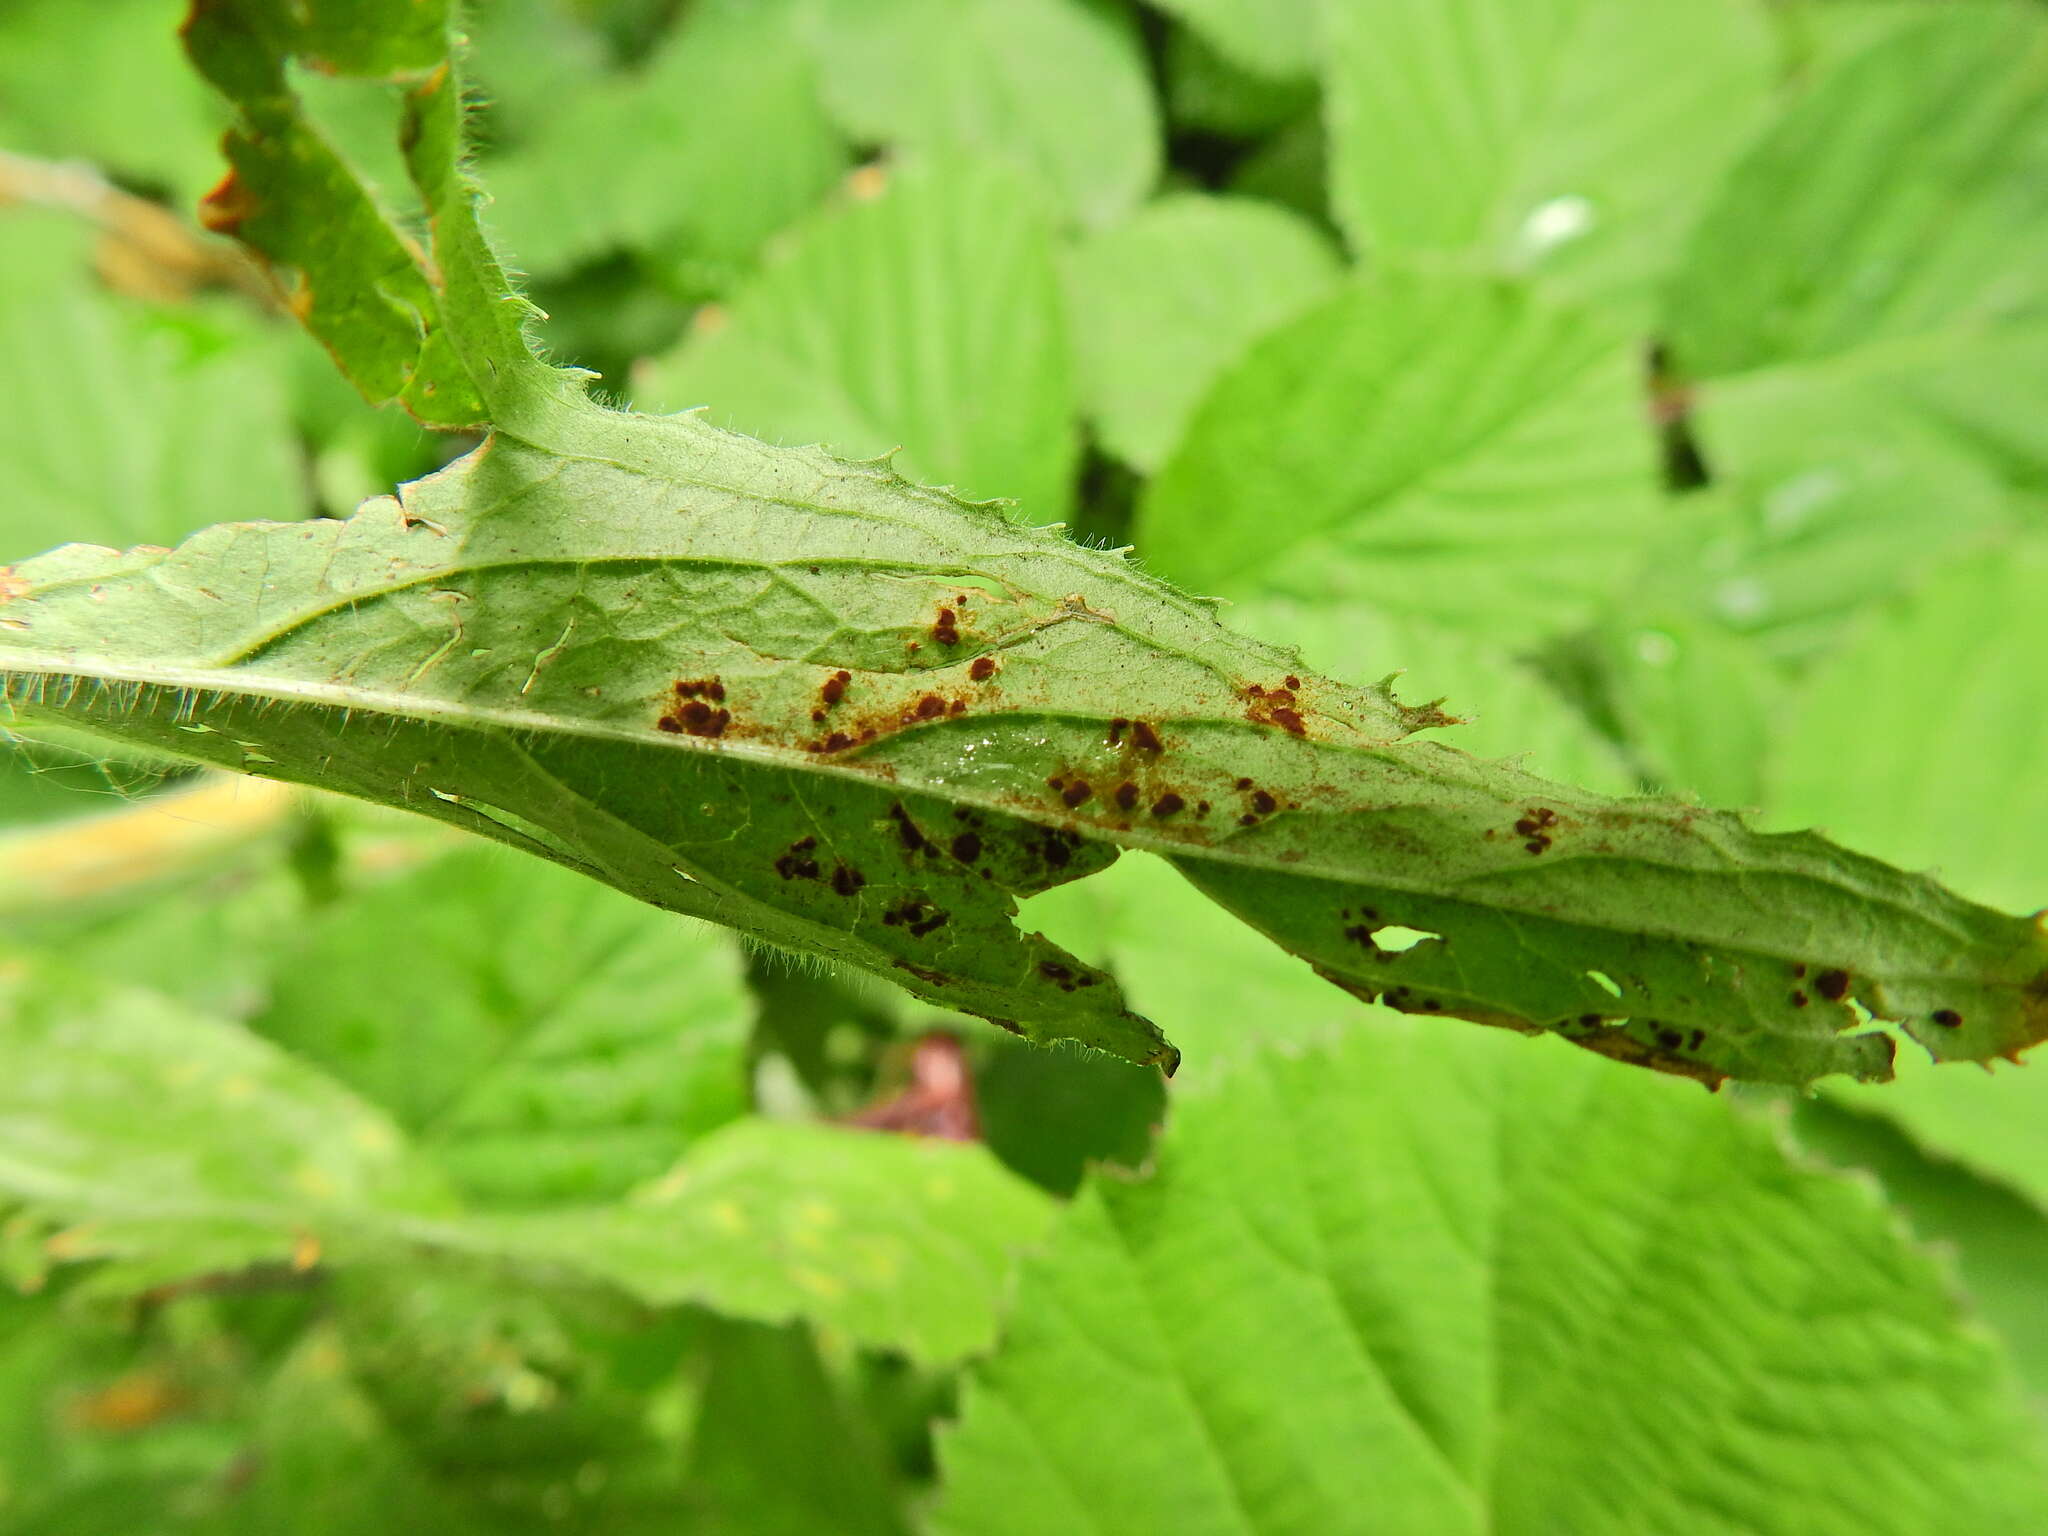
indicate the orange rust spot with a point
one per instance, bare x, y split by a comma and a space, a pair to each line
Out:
11, 585
228, 206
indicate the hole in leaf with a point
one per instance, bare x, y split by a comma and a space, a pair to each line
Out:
1394, 938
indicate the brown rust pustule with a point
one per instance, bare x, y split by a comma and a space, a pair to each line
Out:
1276, 706
697, 709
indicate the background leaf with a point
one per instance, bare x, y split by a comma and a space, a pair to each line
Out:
1160, 304
927, 315
1387, 446
1055, 87
1635, 1244
1574, 138
692, 161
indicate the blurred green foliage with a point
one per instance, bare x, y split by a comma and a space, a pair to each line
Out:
1666, 390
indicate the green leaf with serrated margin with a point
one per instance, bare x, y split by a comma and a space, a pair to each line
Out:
1564, 1299
802, 697
1450, 446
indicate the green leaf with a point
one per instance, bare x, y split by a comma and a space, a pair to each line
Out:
518, 667
927, 318
1574, 138
1955, 667
247, 1155
1393, 443
1999, 1241
798, 696
1897, 203
204, 431
1566, 1299
1055, 86
1269, 37
105, 83
1658, 668
543, 1038
242, 1147
711, 146
778, 1450
1958, 664
1162, 303
439, 331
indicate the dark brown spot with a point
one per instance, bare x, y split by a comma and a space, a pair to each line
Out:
947, 630
1361, 935
797, 863
670, 724
930, 707
1293, 681
838, 741
834, 688
1538, 844
1244, 783
936, 920
702, 688
1058, 974
1057, 846
1799, 999
1201, 808
1117, 727
1430, 1005
1076, 793
1589, 1019
1247, 820
1288, 720
1264, 803
907, 831
983, 669
1167, 804
817, 717
1798, 971
1144, 738
1948, 1018
1126, 795
1670, 1039
1832, 985
846, 879
697, 718
1698, 1035
966, 847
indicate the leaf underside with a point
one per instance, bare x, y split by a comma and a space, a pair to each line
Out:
802, 697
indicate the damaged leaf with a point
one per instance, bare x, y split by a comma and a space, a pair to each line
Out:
802, 697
